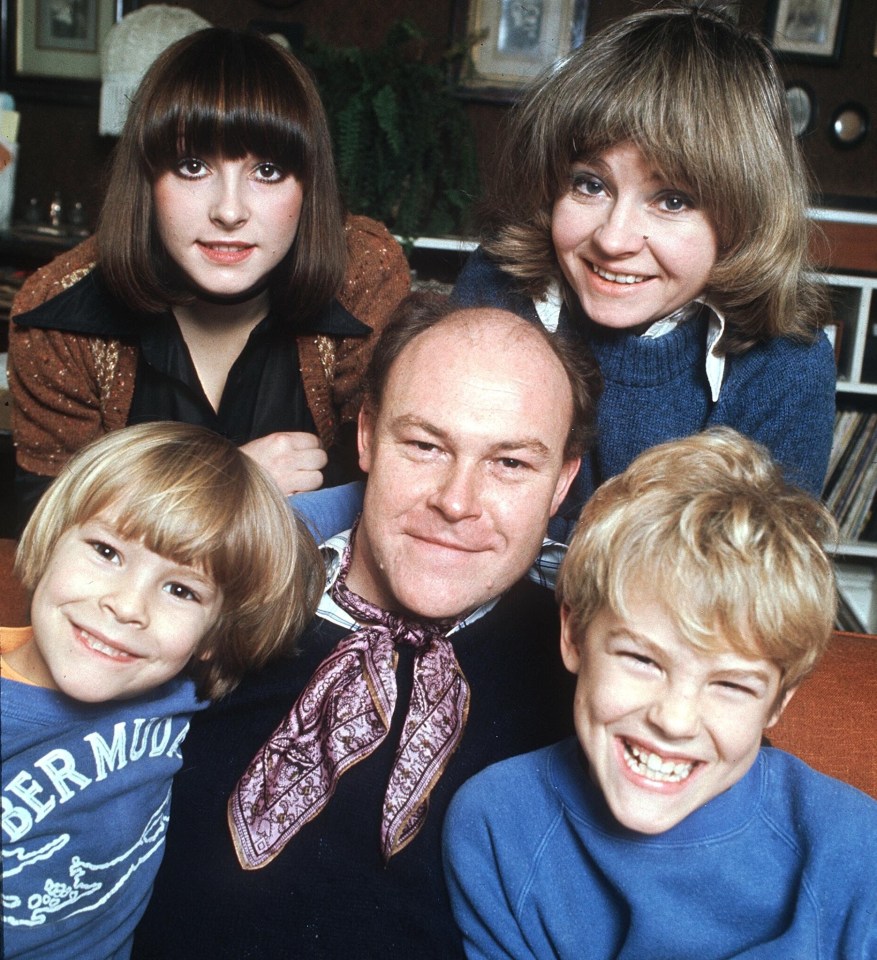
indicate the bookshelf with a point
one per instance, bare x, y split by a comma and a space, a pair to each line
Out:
845, 244
851, 483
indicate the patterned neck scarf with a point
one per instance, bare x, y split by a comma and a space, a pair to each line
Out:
341, 717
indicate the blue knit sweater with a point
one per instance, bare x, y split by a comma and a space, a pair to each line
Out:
780, 393
779, 867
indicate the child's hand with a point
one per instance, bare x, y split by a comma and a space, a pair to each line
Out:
293, 460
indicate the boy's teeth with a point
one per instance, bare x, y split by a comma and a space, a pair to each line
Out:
616, 277
654, 767
100, 646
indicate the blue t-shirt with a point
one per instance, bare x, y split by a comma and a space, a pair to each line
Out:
86, 795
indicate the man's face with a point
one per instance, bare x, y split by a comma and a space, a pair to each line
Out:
466, 464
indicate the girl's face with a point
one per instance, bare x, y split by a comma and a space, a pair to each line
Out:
634, 247
227, 223
112, 619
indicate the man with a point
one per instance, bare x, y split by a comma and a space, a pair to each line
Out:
431, 657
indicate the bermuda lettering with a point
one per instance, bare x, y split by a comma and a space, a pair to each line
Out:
59, 766
59, 775
26, 788
112, 755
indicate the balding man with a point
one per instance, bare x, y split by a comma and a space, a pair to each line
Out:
306, 821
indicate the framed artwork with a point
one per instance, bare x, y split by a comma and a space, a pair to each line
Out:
510, 42
51, 48
807, 29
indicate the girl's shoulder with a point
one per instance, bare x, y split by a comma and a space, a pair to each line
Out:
56, 277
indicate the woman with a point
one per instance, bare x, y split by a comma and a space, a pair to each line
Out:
224, 286
651, 200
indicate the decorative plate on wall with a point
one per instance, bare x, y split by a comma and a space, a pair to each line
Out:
802, 107
849, 125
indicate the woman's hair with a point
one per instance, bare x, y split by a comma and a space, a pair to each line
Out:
422, 310
226, 93
191, 496
708, 526
703, 101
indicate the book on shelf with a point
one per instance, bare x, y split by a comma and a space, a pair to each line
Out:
851, 487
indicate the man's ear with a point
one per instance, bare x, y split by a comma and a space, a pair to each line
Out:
365, 432
570, 650
567, 474
778, 711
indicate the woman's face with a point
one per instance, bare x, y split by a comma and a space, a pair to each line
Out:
227, 223
634, 247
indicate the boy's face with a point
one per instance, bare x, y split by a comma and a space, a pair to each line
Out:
664, 726
112, 619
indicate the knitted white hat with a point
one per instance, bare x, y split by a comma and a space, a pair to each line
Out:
129, 50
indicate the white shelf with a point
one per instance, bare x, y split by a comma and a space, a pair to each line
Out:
858, 586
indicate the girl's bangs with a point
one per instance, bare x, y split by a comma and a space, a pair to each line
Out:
230, 122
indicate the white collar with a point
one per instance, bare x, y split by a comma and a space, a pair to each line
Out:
543, 572
548, 311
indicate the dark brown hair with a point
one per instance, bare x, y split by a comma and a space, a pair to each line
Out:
227, 93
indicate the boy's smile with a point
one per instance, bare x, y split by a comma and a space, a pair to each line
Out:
112, 619
665, 727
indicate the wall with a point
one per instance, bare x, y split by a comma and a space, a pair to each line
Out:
60, 147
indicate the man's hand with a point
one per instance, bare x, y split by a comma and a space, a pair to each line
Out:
293, 460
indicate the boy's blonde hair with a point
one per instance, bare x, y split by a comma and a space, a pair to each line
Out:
190, 495
709, 526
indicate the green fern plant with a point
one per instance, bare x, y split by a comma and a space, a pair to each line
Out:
404, 145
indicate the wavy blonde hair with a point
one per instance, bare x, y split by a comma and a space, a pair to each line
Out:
733, 552
703, 101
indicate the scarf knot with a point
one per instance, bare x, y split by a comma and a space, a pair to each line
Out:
341, 717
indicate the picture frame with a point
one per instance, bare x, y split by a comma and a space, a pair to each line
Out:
510, 42
807, 30
51, 48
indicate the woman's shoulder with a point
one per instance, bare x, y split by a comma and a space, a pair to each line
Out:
785, 357
56, 277
377, 275
367, 237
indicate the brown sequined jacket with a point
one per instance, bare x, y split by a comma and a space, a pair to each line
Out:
68, 388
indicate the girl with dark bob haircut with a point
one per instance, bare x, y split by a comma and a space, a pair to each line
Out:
225, 286
650, 197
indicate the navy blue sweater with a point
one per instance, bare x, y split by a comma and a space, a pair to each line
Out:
780, 392
328, 894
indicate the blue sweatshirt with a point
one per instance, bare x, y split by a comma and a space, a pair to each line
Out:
778, 867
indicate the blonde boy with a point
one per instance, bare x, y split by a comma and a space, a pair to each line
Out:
160, 550
695, 597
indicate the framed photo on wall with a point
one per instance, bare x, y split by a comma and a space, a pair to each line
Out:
51, 48
512, 41
61, 38
807, 29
